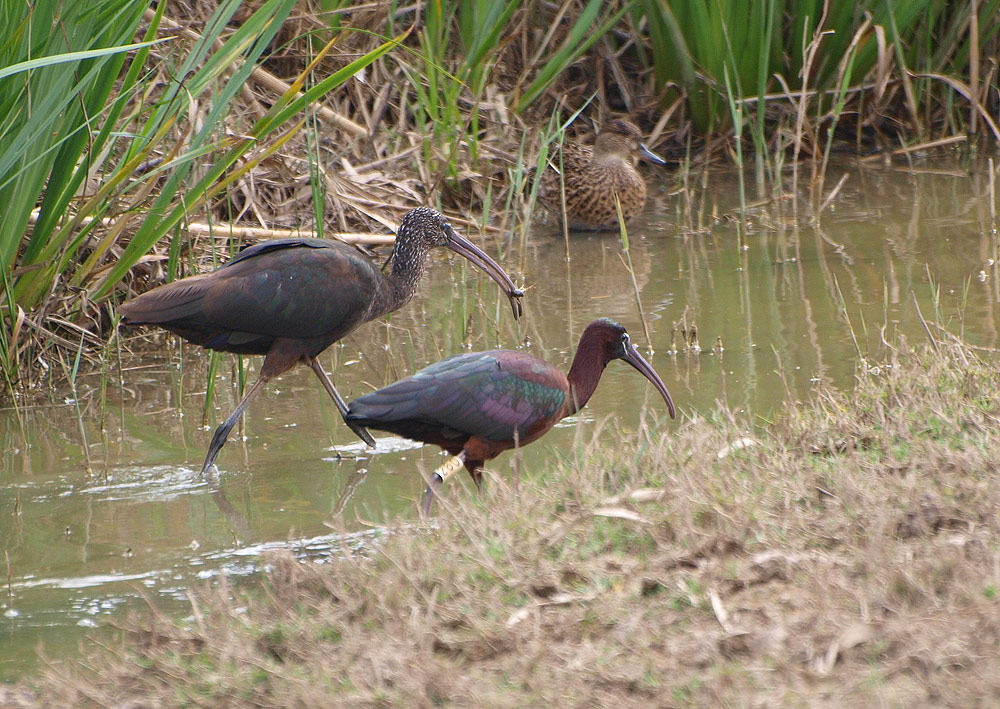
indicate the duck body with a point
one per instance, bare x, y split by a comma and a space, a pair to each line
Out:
593, 175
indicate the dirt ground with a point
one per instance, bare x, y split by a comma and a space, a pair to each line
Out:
845, 555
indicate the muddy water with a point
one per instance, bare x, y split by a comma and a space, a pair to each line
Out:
102, 505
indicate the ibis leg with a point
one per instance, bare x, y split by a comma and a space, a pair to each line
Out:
361, 431
443, 472
222, 432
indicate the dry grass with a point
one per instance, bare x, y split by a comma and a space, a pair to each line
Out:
849, 555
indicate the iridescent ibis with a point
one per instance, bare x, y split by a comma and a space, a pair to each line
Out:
290, 299
476, 405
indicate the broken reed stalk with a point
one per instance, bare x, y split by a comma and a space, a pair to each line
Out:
10, 585
809, 55
562, 196
844, 72
923, 322
259, 233
974, 66
628, 265
992, 178
847, 317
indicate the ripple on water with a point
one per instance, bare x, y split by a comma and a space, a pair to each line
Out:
98, 595
91, 581
383, 444
144, 483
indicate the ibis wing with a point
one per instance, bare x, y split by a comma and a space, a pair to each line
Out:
274, 245
294, 288
484, 394
296, 291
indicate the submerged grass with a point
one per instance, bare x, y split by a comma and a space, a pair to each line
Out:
845, 555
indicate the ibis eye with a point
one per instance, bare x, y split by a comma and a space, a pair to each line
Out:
625, 340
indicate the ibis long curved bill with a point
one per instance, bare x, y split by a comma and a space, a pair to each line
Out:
465, 248
632, 356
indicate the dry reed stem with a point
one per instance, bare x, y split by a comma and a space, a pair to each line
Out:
265, 79
967, 93
234, 231
908, 149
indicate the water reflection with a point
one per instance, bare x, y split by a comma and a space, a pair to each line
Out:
103, 508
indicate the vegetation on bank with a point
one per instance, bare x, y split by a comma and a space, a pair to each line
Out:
844, 555
135, 137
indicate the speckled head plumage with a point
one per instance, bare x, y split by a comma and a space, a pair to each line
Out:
419, 231
592, 176
423, 226
423, 229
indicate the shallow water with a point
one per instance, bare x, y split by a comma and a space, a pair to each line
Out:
102, 505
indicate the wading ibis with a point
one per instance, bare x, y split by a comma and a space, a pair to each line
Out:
290, 299
474, 404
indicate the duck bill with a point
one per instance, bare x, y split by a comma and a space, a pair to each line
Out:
633, 357
649, 156
465, 248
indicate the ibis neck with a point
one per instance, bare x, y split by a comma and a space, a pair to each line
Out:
584, 374
401, 284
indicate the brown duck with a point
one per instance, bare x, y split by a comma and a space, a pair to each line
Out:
593, 175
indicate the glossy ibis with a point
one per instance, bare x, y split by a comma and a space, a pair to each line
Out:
593, 175
474, 404
290, 299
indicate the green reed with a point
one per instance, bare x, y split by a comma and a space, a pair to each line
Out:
822, 52
62, 129
447, 81
627, 260
210, 379
53, 94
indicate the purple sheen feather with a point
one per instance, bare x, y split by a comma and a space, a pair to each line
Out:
506, 412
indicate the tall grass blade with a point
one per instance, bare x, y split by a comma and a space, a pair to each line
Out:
581, 37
